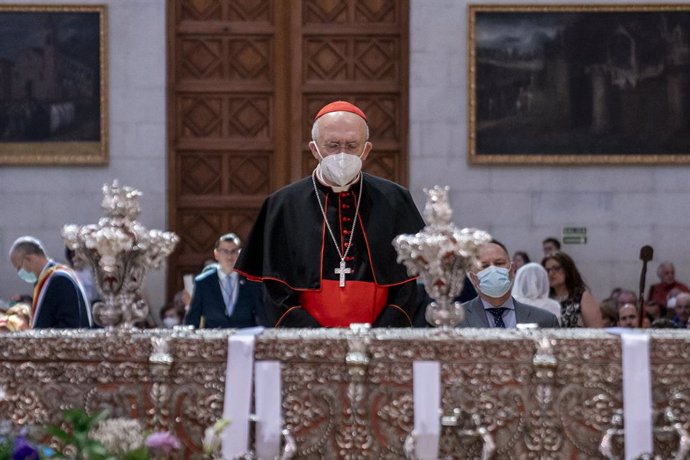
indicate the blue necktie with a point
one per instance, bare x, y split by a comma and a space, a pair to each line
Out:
229, 307
498, 316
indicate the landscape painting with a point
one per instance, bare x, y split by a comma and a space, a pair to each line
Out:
579, 84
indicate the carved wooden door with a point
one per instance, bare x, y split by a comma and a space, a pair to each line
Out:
245, 80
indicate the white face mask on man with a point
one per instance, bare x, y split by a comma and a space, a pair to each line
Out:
170, 321
340, 168
494, 281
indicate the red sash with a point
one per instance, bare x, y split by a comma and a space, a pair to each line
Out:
335, 306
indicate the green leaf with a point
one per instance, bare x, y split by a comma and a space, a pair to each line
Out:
96, 451
141, 453
60, 434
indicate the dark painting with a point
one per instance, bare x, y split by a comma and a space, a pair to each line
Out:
580, 84
52, 106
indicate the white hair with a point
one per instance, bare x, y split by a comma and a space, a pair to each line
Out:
664, 265
315, 128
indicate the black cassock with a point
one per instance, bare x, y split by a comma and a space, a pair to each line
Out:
291, 250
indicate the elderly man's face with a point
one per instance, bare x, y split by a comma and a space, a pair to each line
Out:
341, 132
627, 316
667, 274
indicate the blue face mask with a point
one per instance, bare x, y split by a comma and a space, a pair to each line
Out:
494, 281
27, 276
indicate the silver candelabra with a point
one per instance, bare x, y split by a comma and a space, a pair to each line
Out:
441, 255
120, 250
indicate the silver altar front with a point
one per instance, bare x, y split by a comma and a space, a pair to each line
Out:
348, 394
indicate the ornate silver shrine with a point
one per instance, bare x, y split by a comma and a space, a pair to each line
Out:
348, 394
120, 250
441, 255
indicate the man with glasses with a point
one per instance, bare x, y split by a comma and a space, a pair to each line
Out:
223, 298
323, 245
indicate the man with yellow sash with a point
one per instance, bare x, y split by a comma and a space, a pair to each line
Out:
58, 299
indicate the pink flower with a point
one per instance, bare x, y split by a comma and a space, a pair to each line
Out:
162, 442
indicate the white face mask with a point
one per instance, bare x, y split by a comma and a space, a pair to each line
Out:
340, 168
494, 281
170, 322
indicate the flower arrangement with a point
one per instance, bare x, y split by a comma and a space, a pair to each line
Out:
89, 437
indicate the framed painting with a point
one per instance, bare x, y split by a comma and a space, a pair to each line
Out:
579, 84
53, 85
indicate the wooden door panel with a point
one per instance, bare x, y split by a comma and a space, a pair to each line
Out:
209, 174
215, 10
353, 11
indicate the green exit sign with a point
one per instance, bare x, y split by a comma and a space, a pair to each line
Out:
574, 235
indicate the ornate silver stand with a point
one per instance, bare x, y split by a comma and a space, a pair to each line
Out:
671, 426
120, 250
441, 255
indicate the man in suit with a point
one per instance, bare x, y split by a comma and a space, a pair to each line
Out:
222, 297
494, 306
58, 300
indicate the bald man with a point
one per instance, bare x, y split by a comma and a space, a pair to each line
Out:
494, 306
59, 300
627, 315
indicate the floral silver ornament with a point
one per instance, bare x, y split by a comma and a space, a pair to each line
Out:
120, 250
441, 255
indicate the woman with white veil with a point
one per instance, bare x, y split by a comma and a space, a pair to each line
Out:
531, 287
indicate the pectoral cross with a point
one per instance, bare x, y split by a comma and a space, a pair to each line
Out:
342, 271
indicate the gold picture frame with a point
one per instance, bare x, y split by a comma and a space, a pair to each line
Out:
53, 85
579, 84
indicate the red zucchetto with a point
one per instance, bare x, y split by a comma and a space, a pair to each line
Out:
340, 106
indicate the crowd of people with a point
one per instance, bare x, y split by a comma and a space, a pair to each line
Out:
320, 255
222, 298
558, 279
